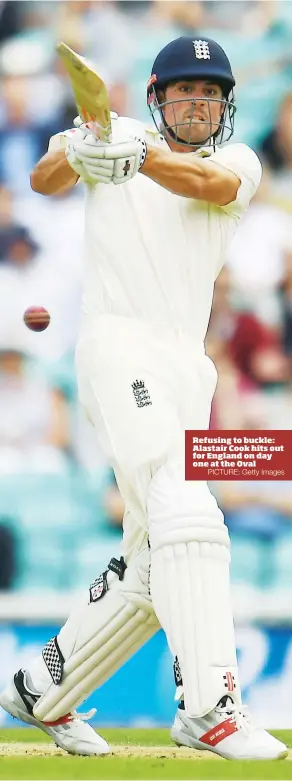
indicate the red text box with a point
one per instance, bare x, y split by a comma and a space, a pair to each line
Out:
238, 455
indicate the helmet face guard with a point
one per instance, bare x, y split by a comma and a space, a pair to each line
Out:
173, 129
185, 59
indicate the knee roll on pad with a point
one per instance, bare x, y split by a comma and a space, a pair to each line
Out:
176, 507
99, 638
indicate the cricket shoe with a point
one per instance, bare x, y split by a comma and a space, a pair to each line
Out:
228, 731
69, 732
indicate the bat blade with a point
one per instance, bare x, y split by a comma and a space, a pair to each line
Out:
90, 92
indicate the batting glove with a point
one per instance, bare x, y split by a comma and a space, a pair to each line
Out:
79, 134
106, 163
72, 158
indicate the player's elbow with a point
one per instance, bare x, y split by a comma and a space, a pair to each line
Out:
40, 183
36, 183
220, 186
33, 181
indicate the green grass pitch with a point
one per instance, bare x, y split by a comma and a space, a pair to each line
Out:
137, 754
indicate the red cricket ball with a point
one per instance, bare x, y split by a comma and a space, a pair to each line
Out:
36, 318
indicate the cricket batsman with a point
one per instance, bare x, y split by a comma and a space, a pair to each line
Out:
161, 207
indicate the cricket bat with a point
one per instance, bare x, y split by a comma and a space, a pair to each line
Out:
90, 92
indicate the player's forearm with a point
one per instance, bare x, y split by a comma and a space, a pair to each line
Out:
53, 174
191, 176
181, 174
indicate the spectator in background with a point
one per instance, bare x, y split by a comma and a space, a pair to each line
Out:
38, 215
277, 152
6, 209
10, 18
16, 244
22, 139
253, 348
34, 426
256, 256
286, 301
276, 147
31, 276
74, 20
235, 403
85, 446
8, 554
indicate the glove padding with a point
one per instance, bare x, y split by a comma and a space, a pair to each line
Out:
73, 136
106, 163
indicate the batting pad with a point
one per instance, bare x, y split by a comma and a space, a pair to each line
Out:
98, 639
191, 598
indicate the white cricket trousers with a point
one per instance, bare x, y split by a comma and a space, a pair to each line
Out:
142, 386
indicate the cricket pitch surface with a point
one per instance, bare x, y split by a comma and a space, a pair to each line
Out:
135, 754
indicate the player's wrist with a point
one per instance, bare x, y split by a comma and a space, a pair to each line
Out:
143, 152
152, 158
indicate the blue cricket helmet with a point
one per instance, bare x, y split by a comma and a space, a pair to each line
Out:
193, 58
189, 58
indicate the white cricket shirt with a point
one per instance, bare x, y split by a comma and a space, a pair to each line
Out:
154, 255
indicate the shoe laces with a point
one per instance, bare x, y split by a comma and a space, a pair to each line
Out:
238, 714
82, 716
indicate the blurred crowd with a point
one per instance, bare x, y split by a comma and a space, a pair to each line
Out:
53, 476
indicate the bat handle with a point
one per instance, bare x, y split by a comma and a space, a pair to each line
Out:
98, 131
